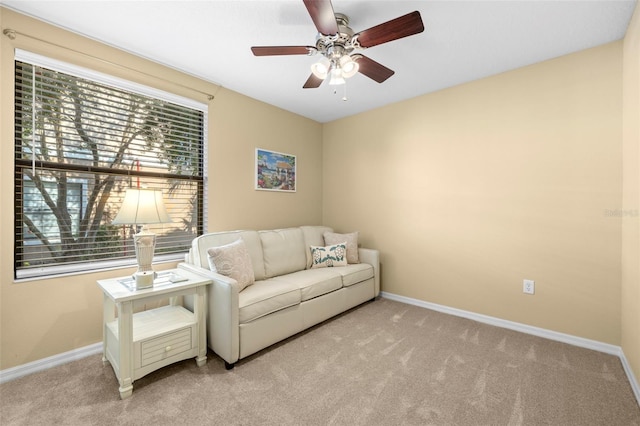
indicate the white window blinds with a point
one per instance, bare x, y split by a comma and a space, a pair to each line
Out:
81, 139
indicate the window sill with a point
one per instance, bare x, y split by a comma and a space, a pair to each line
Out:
52, 272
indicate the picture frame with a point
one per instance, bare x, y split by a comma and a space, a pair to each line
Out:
275, 171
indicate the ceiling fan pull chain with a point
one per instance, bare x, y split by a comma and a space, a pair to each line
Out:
344, 93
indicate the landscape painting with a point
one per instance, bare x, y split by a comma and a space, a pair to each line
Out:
275, 171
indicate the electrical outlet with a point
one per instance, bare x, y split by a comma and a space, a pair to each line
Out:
528, 286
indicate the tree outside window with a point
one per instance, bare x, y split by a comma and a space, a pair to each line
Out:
79, 144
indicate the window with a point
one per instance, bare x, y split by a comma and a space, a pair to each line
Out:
81, 139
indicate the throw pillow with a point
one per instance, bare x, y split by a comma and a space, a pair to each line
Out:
330, 256
351, 241
233, 261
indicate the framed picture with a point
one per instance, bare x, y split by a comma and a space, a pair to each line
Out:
275, 171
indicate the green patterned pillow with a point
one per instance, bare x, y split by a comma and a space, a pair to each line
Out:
330, 256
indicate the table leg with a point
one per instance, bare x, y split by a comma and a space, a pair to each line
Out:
125, 337
201, 318
108, 315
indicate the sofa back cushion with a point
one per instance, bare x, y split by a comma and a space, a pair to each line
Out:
313, 236
252, 241
283, 251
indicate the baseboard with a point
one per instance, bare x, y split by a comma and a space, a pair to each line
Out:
46, 363
632, 378
528, 329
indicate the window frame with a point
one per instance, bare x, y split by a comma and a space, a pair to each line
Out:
59, 270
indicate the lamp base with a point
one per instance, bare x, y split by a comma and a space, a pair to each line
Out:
145, 243
144, 279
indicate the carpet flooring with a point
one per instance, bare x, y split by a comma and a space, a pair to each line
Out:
383, 363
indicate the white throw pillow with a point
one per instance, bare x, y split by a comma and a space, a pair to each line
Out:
233, 261
330, 256
351, 241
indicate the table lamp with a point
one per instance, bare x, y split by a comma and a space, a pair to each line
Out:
143, 207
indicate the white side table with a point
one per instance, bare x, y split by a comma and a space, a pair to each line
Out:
137, 344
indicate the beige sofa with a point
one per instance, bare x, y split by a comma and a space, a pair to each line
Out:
288, 295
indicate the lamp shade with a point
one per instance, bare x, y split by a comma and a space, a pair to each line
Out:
142, 206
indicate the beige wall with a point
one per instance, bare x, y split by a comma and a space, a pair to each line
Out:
631, 196
47, 317
466, 192
470, 190
238, 126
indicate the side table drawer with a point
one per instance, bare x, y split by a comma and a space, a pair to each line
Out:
161, 347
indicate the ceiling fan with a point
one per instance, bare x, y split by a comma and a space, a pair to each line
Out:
337, 43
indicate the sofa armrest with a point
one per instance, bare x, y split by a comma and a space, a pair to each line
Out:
372, 257
204, 272
223, 324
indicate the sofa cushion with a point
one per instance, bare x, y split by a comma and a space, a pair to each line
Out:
232, 260
329, 256
313, 236
353, 274
265, 297
351, 240
283, 251
314, 282
251, 239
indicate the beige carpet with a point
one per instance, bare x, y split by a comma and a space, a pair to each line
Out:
384, 363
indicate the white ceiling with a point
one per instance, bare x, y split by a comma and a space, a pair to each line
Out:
462, 41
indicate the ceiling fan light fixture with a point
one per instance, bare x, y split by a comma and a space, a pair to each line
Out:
336, 43
349, 66
336, 77
321, 68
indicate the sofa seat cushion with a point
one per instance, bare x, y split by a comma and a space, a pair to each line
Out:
265, 297
314, 282
355, 273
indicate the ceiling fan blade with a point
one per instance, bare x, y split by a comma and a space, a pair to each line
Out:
312, 82
373, 69
281, 50
403, 26
321, 12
